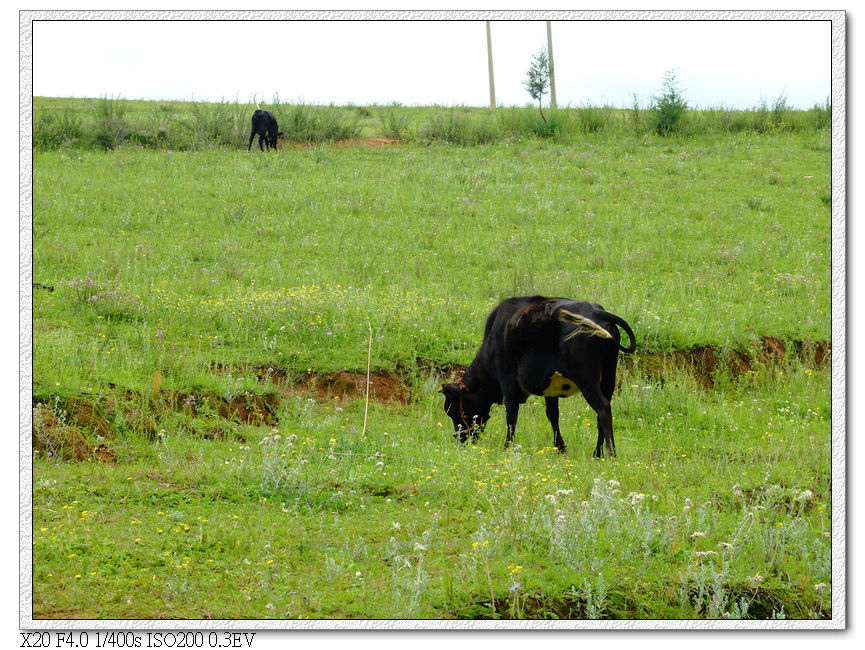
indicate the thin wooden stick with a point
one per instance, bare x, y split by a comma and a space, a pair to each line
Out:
368, 360
349, 453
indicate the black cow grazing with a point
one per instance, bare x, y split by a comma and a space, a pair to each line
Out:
541, 346
265, 127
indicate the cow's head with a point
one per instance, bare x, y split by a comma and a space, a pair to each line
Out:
273, 138
466, 408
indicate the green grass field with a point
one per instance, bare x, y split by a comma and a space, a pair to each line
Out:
181, 472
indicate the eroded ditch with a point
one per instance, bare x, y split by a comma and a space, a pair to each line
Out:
82, 427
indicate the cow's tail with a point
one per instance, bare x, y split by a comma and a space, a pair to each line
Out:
621, 323
585, 325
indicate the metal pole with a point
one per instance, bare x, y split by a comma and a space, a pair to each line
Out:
552, 69
490, 64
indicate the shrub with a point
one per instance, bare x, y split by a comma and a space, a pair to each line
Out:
217, 123
307, 124
460, 129
394, 123
55, 129
638, 121
592, 119
780, 111
111, 124
669, 106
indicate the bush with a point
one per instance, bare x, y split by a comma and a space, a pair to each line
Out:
669, 107
394, 123
217, 123
460, 128
55, 129
592, 119
111, 125
308, 124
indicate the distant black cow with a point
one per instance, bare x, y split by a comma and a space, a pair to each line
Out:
541, 346
265, 127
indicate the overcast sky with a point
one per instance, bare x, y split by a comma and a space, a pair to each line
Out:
734, 64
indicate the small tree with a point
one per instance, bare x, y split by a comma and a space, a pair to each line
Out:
670, 106
538, 80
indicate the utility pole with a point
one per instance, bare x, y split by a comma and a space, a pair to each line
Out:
552, 69
490, 64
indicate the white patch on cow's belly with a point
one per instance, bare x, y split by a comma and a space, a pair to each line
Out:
560, 386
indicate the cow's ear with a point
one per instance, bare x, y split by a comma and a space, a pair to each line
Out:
450, 389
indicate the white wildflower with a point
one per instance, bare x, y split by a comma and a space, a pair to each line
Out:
634, 498
698, 535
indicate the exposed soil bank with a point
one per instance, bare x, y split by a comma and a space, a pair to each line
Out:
703, 362
82, 427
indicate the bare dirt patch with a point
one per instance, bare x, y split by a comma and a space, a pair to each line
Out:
350, 386
375, 143
344, 384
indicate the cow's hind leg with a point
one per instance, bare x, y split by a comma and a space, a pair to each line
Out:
601, 405
608, 385
552, 404
512, 409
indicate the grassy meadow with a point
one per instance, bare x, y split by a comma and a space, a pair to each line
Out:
183, 468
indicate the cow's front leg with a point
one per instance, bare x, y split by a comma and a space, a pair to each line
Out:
512, 409
553, 416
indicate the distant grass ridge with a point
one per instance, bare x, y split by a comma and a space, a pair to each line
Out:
108, 123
